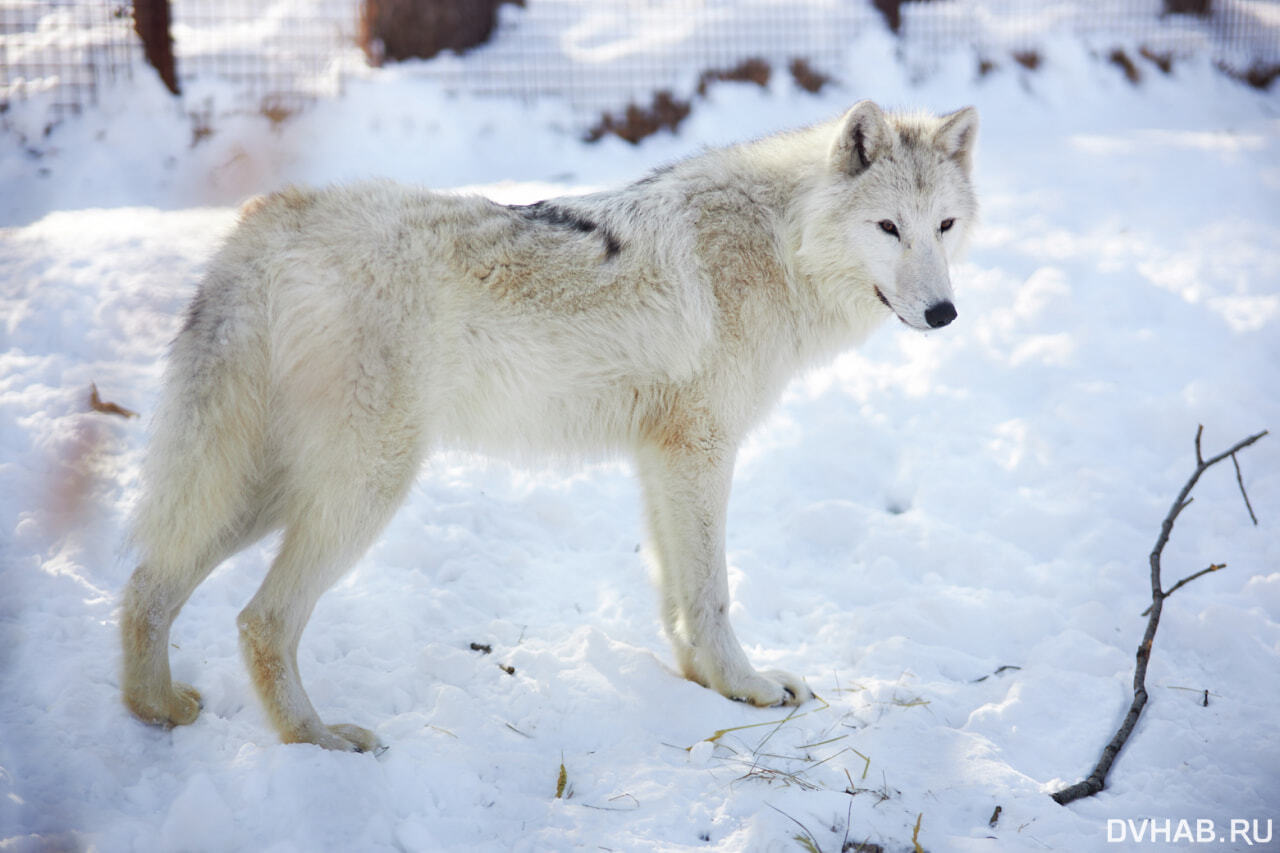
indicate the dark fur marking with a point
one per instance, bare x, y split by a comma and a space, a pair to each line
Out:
202, 318
655, 174
560, 217
860, 146
551, 214
611, 245
194, 310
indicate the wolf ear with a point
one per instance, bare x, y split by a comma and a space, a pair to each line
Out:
864, 135
957, 135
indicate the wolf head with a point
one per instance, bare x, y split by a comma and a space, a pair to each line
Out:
892, 209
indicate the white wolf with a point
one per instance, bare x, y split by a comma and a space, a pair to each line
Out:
342, 335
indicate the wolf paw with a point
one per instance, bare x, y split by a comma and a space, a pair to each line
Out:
796, 691
361, 740
342, 738
179, 705
771, 689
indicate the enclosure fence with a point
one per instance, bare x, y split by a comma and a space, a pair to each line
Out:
232, 55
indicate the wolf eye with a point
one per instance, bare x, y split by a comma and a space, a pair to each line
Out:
946, 225
888, 227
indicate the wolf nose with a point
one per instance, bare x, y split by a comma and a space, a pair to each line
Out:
940, 315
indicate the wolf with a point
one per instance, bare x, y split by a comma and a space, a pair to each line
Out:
342, 335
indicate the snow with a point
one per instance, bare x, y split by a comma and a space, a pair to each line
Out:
947, 534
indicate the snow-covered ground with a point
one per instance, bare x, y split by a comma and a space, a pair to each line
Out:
948, 534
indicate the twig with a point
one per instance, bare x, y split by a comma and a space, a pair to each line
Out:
807, 839
1096, 780
793, 714
635, 804
1214, 567
756, 770
1000, 670
1243, 493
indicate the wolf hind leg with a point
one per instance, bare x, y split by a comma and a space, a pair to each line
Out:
155, 594
150, 693
151, 603
326, 532
314, 555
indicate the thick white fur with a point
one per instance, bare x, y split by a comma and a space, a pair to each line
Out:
342, 335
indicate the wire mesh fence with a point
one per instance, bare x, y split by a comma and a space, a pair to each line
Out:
256, 55
62, 50
597, 56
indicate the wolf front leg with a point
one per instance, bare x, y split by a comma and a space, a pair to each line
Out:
686, 480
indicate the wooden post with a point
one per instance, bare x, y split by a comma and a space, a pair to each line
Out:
151, 20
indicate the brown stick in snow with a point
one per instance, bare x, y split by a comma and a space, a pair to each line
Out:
1096, 780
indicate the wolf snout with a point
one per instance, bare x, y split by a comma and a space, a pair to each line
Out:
940, 314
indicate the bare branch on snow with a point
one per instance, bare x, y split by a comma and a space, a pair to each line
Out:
1096, 780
